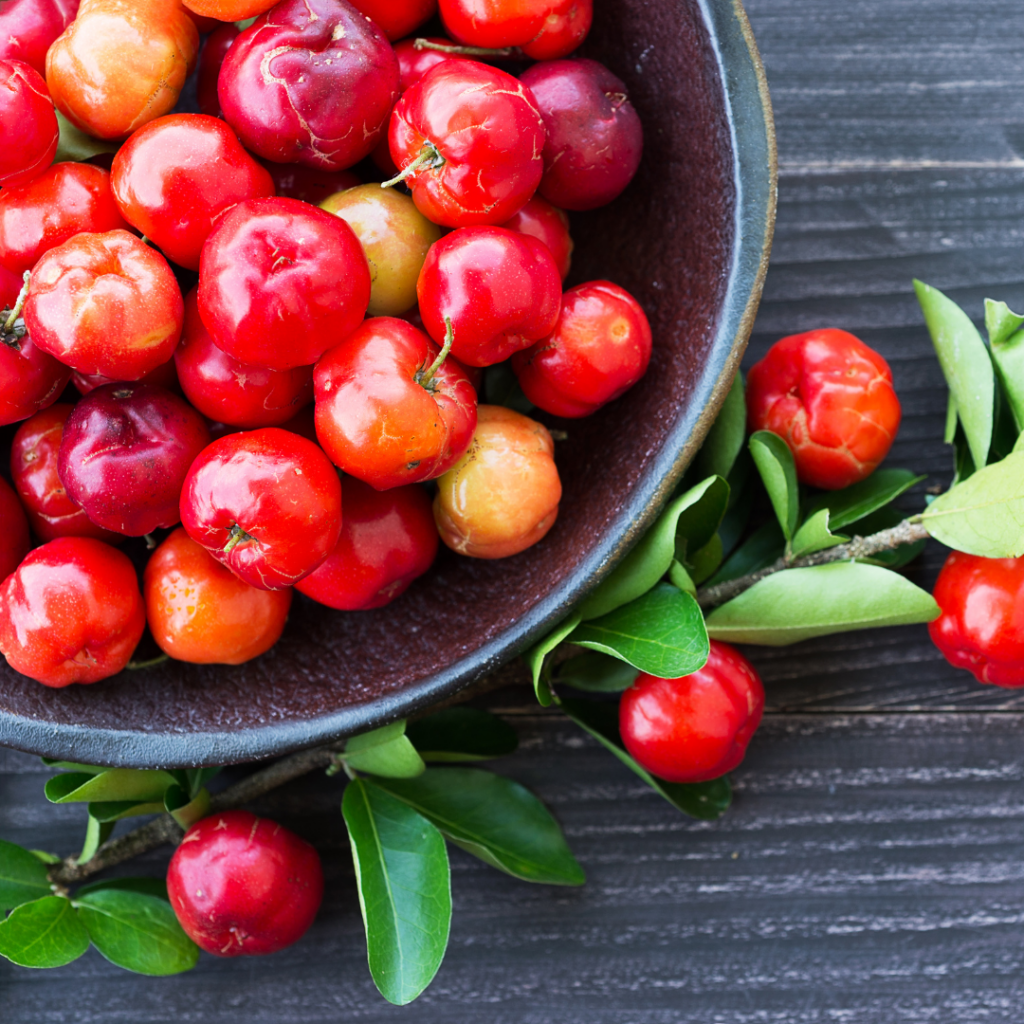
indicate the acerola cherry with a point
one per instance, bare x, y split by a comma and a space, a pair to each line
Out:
14, 538
212, 55
501, 290
599, 348
594, 137
310, 184
266, 503
30, 379
280, 282
695, 728
539, 219
414, 63
543, 29
468, 139
28, 28
71, 612
981, 627
502, 496
244, 886
831, 399
387, 540
229, 10
164, 376
199, 611
397, 18
28, 124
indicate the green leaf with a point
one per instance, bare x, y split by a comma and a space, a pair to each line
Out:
725, 438
404, 885
966, 365
43, 933
199, 777
1007, 341
501, 387
462, 734
743, 482
774, 462
115, 810
46, 858
537, 658
860, 500
763, 547
136, 931
815, 535
661, 632
705, 561
1000, 322
23, 876
949, 432
680, 578
984, 515
796, 604
494, 819
148, 886
385, 751
1019, 446
704, 800
112, 784
884, 519
74, 144
96, 834
185, 810
596, 673
73, 766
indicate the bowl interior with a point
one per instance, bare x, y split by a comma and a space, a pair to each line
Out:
671, 240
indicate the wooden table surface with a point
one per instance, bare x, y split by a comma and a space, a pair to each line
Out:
872, 866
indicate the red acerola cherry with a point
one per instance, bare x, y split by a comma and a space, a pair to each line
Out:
594, 137
310, 82
244, 886
211, 57
29, 27
280, 282
501, 290
30, 379
380, 414
14, 538
542, 29
695, 728
164, 376
124, 455
540, 220
28, 124
176, 175
831, 399
468, 140
310, 184
414, 63
266, 503
397, 18
599, 348
388, 539
71, 612
981, 627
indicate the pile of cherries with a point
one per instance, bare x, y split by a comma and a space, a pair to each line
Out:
228, 270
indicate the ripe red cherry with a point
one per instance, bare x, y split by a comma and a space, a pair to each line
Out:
28, 123
594, 137
266, 503
215, 49
310, 82
501, 289
540, 220
14, 538
414, 63
29, 27
831, 399
244, 886
542, 29
30, 379
397, 18
981, 627
164, 376
468, 139
695, 728
379, 417
388, 539
599, 348
176, 175
71, 612
281, 282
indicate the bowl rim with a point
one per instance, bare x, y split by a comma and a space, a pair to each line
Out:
755, 178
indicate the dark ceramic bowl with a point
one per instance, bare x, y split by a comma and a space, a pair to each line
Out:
689, 238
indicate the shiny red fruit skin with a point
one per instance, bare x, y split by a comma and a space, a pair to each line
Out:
486, 126
277, 487
594, 136
600, 347
413, 64
175, 177
831, 399
71, 612
310, 82
376, 421
64, 200
397, 18
244, 886
125, 453
695, 728
211, 57
28, 27
548, 224
164, 376
28, 124
30, 380
34, 451
501, 289
543, 29
14, 539
310, 184
388, 539
981, 627
280, 282
232, 392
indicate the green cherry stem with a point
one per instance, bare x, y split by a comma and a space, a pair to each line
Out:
236, 538
466, 51
429, 159
19, 305
424, 377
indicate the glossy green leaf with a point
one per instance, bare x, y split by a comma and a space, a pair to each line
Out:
796, 604
537, 658
74, 144
661, 632
762, 548
704, 800
199, 777
43, 933
1001, 322
699, 520
1007, 341
501, 387
815, 535
984, 515
136, 931
23, 876
115, 810
386, 752
462, 734
96, 834
965, 364
743, 482
596, 673
860, 500
1019, 446
679, 577
148, 886
705, 560
494, 819
186, 810
404, 886
949, 432
45, 857
727, 434
774, 462
113, 784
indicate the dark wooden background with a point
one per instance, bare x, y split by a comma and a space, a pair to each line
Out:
872, 867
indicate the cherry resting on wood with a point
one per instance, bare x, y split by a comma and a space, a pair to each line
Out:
14, 538
27, 122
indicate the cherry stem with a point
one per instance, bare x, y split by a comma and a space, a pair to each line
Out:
466, 51
429, 159
132, 666
425, 377
237, 536
19, 305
